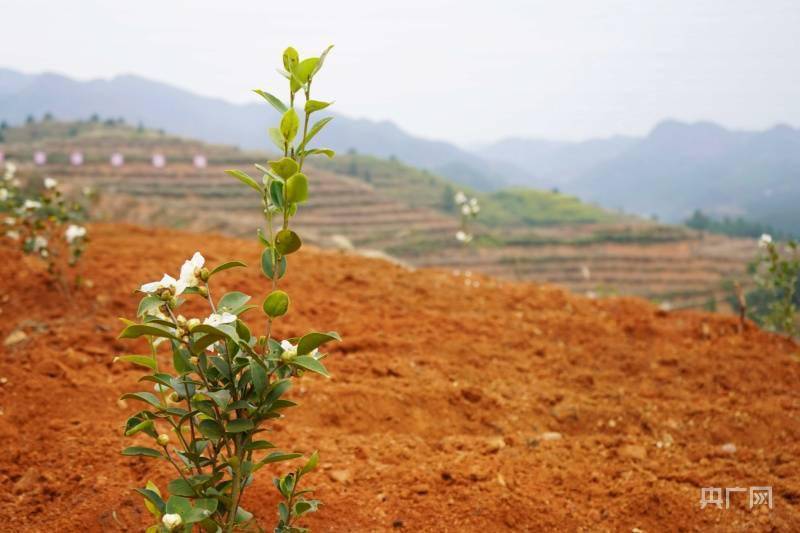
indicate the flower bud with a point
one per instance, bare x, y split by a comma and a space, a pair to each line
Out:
163, 439
287, 356
192, 323
171, 520
181, 320
172, 303
165, 295
194, 360
202, 291
204, 274
173, 398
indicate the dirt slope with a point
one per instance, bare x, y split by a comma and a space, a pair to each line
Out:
433, 421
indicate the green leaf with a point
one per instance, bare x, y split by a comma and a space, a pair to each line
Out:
239, 425
142, 397
315, 105
232, 301
259, 377
287, 242
297, 188
311, 464
227, 266
268, 268
274, 102
290, 59
259, 445
180, 487
314, 340
177, 504
152, 499
276, 193
211, 429
276, 304
313, 131
209, 504
141, 360
276, 137
276, 457
290, 123
285, 167
305, 68
141, 450
309, 363
321, 60
320, 151
137, 330
244, 178
242, 516
148, 304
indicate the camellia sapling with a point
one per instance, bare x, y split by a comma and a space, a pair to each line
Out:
777, 273
227, 384
44, 222
468, 209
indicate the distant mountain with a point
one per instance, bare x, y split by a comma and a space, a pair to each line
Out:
555, 163
681, 167
181, 112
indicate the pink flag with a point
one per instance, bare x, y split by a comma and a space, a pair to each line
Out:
76, 158
2, 157
40, 158
117, 160
159, 161
200, 161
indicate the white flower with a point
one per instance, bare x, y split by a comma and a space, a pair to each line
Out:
190, 271
10, 221
3, 195
216, 319
289, 348
460, 198
171, 520
765, 240
167, 282
31, 204
463, 236
50, 183
11, 169
466, 210
13, 235
585, 272
473, 205
39, 243
74, 232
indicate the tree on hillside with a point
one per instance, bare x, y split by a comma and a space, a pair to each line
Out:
94, 118
48, 117
448, 198
29, 119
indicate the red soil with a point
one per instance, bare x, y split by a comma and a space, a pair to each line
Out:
434, 416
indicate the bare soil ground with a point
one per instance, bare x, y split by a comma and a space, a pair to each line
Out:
442, 414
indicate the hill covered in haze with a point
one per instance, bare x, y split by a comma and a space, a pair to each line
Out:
677, 168
158, 105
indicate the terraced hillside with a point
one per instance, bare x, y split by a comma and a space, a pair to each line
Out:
390, 208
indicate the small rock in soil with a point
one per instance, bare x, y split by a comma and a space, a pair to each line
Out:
495, 444
728, 447
339, 476
15, 337
633, 451
550, 435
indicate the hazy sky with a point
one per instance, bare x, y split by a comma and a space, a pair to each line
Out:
459, 70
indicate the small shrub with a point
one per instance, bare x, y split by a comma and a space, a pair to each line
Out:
469, 209
206, 416
44, 223
776, 273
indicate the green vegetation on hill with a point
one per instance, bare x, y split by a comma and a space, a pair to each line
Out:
735, 227
502, 209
